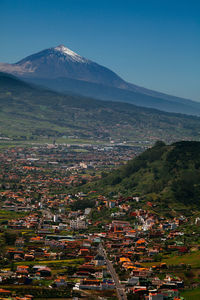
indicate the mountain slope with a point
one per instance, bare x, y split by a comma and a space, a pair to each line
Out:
164, 172
63, 70
30, 112
63, 62
109, 93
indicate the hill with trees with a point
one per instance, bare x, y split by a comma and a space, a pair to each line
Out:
167, 173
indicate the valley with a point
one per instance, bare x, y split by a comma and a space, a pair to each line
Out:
99, 184
99, 150
59, 205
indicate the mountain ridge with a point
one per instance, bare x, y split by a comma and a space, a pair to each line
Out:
31, 112
85, 77
54, 62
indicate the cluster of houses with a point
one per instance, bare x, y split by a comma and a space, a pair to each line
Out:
30, 174
51, 245
130, 248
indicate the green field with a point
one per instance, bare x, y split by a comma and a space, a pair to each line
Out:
9, 215
65, 262
192, 259
193, 294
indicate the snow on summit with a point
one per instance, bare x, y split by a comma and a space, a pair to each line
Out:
70, 54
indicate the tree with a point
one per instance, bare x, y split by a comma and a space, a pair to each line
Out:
10, 237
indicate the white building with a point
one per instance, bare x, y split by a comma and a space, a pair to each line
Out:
78, 224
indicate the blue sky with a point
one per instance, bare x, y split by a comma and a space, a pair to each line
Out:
152, 43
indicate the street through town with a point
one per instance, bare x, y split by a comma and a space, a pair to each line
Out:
121, 294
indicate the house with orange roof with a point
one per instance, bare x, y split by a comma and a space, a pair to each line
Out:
124, 259
141, 242
22, 269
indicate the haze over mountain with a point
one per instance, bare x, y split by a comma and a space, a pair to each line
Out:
31, 113
63, 70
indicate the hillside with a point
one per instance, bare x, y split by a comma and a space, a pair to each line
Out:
63, 70
165, 172
30, 112
137, 95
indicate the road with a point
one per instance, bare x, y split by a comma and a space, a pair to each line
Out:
121, 294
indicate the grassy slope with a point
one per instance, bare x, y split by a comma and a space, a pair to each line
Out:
31, 112
168, 173
192, 259
192, 294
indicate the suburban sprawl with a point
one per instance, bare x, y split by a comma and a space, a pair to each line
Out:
60, 238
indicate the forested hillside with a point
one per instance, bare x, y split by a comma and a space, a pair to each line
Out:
170, 173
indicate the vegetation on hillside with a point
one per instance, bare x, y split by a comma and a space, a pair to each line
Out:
29, 113
164, 172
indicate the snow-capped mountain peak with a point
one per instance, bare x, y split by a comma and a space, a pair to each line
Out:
62, 69
62, 62
70, 54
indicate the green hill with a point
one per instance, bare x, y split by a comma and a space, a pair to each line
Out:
164, 172
28, 112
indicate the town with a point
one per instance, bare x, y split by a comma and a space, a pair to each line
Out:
60, 242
